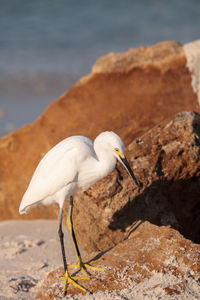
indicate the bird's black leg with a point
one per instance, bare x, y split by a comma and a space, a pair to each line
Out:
67, 278
61, 236
80, 264
71, 229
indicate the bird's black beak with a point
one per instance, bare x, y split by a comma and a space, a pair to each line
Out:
125, 163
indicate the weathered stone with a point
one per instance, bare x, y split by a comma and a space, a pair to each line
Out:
166, 161
128, 93
148, 252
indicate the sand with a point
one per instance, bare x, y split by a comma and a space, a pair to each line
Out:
30, 250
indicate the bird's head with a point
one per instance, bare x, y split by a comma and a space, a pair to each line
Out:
110, 141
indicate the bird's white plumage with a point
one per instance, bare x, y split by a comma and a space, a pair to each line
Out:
73, 163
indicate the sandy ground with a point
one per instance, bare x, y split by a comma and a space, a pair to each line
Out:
29, 250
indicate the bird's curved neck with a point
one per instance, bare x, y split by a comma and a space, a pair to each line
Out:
106, 162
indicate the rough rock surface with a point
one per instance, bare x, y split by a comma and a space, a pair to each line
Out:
166, 161
159, 260
128, 93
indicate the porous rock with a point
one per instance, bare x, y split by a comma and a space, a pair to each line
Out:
158, 254
166, 162
127, 93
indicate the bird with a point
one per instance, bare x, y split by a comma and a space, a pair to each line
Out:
74, 163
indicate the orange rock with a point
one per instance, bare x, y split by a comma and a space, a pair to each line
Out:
149, 252
128, 93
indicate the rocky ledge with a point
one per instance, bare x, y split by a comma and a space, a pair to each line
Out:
166, 162
152, 262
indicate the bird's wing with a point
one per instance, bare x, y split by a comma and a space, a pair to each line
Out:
57, 168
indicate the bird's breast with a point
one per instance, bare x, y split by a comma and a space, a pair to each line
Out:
93, 172
86, 180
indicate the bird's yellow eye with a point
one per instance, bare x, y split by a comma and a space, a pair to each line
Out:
119, 153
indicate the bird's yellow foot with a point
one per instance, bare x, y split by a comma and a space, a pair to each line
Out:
81, 266
68, 279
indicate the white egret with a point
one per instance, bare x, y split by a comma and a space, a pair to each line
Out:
74, 163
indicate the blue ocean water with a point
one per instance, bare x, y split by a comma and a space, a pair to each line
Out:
46, 45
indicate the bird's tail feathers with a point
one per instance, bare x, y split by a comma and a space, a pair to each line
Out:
24, 209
